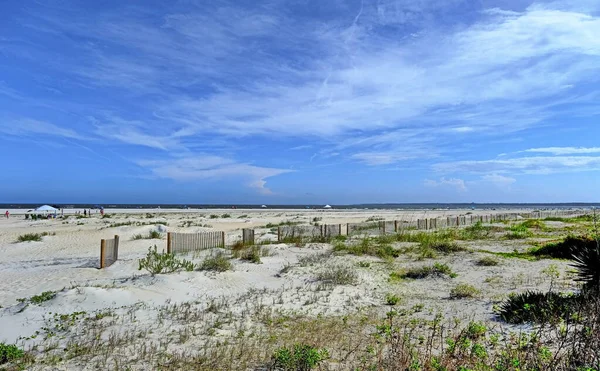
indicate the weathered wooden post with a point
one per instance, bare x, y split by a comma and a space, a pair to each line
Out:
169, 243
223, 239
278, 234
102, 252
116, 253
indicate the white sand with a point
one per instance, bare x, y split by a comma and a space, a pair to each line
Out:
69, 261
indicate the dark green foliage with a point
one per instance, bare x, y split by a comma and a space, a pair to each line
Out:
29, 237
463, 290
566, 248
154, 235
10, 353
436, 269
587, 263
476, 231
446, 247
517, 232
157, 263
300, 357
252, 254
537, 307
487, 261
369, 246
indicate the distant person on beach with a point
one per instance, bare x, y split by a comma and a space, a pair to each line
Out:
85, 212
7, 214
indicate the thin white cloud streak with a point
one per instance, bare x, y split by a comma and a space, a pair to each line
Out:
522, 165
565, 150
29, 127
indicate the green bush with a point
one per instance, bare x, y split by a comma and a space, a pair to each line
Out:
10, 353
587, 264
216, 263
391, 299
29, 237
253, 254
566, 248
463, 291
300, 357
154, 235
156, 263
436, 269
536, 307
446, 247
517, 232
476, 231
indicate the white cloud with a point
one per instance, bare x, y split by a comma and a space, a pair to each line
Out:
459, 184
204, 166
29, 127
565, 150
499, 180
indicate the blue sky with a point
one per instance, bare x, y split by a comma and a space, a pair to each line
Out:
300, 101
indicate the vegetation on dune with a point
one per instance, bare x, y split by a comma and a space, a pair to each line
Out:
435, 270
217, 263
36, 237
157, 263
338, 275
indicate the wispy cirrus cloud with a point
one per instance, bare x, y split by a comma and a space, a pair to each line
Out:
565, 150
522, 165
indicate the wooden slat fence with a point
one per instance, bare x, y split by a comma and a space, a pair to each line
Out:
248, 236
181, 243
109, 252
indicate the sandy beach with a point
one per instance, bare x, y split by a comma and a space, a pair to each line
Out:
66, 261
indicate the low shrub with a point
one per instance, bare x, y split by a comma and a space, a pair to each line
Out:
338, 275
308, 260
10, 353
517, 232
44, 296
464, 290
216, 263
29, 237
487, 261
565, 248
253, 254
536, 307
446, 247
391, 299
436, 269
300, 357
156, 263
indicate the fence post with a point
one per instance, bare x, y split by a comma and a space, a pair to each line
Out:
102, 248
116, 255
169, 242
223, 239
382, 227
395, 226
340, 230
278, 234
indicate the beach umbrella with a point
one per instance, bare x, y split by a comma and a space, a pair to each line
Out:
326, 207
46, 208
264, 206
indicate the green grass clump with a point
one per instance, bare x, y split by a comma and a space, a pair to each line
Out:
30, 237
156, 263
368, 246
446, 247
338, 275
300, 357
253, 254
391, 299
535, 224
487, 261
476, 231
44, 296
10, 353
216, 263
437, 269
518, 232
463, 291
152, 235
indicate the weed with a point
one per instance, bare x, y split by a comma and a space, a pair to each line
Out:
487, 261
217, 263
300, 357
309, 260
364, 264
463, 290
29, 237
44, 296
437, 269
338, 275
156, 263
391, 299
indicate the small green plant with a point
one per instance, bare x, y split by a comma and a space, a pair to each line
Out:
29, 237
300, 357
391, 299
536, 307
214, 216
154, 235
475, 330
10, 353
137, 237
252, 255
44, 296
338, 275
156, 263
216, 263
517, 232
364, 264
464, 290
437, 269
487, 261
224, 216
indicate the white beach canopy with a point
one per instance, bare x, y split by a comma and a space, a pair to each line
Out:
326, 207
46, 208
264, 206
